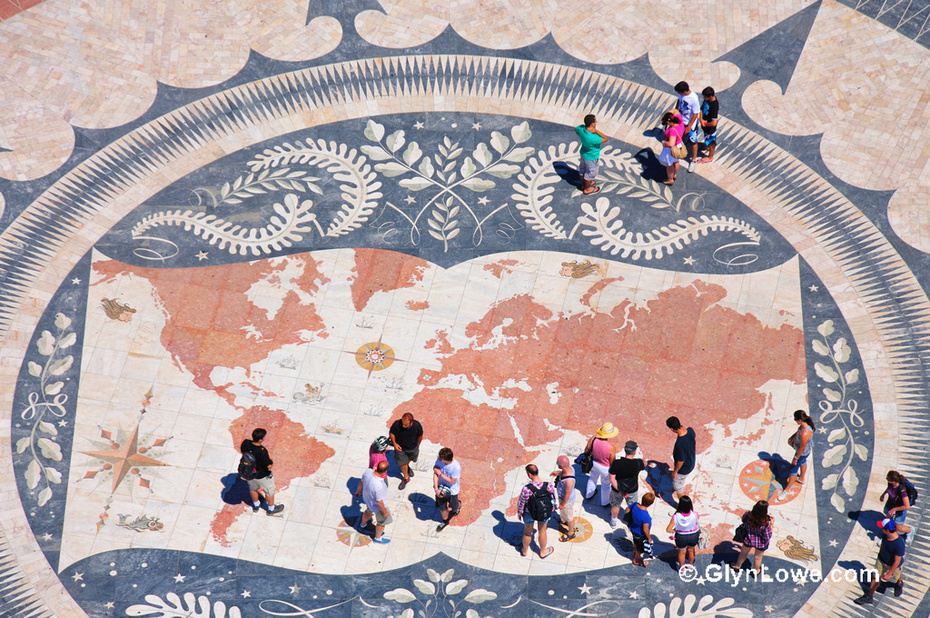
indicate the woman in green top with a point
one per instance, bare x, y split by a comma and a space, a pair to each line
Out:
591, 141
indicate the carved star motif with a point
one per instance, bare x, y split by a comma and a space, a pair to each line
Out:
179, 578
483, 200
295, 589
476, 126
125, 458
76, 281
634, 595
833, 543
109, 605
813, 288
46, 537
77, 576
202, 256
585, 589
418, 125
689, 261
410, 199
246, 594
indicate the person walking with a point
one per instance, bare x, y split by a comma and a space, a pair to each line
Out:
641, 529
374, 493
801, 441
406, 435
624, 480
534, 508
684, 455
672, 138
710, 109
262, 477
603, 452
755, 537
591, 142
446, 483
684, 524
898, 494
889, 561
565, 489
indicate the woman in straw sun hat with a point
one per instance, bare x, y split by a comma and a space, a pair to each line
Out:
603, 452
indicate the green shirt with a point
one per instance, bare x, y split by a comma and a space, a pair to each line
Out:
590, 143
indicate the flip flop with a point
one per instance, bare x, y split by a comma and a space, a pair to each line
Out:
800, 482
705, 160
596, 189
548, 553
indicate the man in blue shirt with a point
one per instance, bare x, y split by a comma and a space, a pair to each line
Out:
890, 558
591, 142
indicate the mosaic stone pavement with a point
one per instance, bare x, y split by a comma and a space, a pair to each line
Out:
316, 217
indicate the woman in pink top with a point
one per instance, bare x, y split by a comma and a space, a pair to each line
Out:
603, 453
673, 133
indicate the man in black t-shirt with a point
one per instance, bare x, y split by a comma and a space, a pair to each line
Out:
263, 479
406, 435
710, 109
684, 455
624, 480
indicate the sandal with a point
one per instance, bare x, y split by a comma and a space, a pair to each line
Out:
566, 537
548, 553
596, 189
668, 182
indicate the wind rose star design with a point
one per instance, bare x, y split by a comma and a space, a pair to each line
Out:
124, 457
375, 356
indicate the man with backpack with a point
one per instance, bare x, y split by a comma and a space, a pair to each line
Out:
255, 468
537, 500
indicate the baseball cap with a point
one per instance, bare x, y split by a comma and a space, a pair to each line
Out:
887, 524
630, 447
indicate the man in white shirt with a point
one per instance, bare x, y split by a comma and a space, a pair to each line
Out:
446, 475
374, 493
689, 108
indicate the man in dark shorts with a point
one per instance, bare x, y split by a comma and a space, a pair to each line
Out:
446, 482
624, 480
263, 479
889, 561
709, 112
406, 435
591, 142
684, 455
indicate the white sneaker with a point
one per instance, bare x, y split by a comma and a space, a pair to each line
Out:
614, 523
692, 166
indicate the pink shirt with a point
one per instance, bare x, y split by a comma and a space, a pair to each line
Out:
600, 450
676, 131
374, 458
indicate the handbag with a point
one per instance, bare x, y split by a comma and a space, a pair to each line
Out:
586, 461
739, 535
679, 152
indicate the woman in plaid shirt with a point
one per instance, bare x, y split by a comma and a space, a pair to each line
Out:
758, 534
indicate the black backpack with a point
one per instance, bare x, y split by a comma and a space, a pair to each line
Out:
247, 466
911, 492
540, 504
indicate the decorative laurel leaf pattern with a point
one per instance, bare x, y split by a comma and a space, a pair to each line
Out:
358, 182
41, 443
440, 591
173, 607
691, 607
838, 406
608, 232
288, 227
245, 187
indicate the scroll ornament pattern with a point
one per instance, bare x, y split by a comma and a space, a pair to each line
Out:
450, 177
47, 403
839, 412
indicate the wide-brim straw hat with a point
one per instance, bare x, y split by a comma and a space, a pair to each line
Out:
607, 430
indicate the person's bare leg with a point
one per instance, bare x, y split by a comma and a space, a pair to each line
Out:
691, 553
742, 557
681, 558
527, 537
543, 540
405, 471
254, 495
802, 474
571, 527
710, 151
757, 560
379, 531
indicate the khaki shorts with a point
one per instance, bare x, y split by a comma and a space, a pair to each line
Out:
265, 484
380, 519
883, 568
679, 482
568, 513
